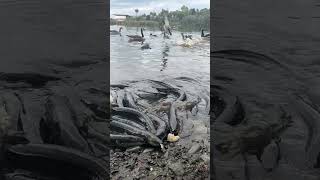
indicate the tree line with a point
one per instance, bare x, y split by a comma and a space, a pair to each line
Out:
184, 19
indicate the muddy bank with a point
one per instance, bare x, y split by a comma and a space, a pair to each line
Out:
264, 74
175, 108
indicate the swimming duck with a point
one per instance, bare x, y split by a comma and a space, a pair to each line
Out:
146, 46
184, 37
153, 35
204, 35
137, 37
115, 32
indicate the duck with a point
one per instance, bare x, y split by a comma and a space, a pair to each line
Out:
137, 37
204, 35
115, 32
184, 37
153, 35
145, 46
166, 36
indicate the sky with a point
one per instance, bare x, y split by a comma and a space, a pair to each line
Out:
147, 6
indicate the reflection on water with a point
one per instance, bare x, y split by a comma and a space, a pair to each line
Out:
166, 58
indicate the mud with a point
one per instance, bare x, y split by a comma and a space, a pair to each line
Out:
187, 158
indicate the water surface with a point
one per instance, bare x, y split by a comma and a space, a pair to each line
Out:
165, 59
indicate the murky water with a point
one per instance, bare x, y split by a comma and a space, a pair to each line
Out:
165, 59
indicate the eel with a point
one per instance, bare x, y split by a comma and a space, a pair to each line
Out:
13, 108
130, 100
191, 104
143, 117
311, 118
233, 112
92, 133
26, 175
120, 98
58, 126
66, 157
115, 118
174, 91
82, 113
162, 127
15, 137
270, 156
114, 97
34, 79
182, 96
120, 86
151, 138
173, 123
126, 137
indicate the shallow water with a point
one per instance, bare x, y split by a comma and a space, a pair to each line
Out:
165, 59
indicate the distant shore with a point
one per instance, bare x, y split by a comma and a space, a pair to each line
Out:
153, 24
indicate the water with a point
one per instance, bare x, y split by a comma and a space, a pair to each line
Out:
166, 59
284, 36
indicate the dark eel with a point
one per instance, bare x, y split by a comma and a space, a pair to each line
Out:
60, 158
233, 112
125, 137
58, 126
162, 126
92, 133
311, 118
143, 117
179, 93
26, 175
151, 138
36, 80
120, 86
191, 104
173, 119
130, 100
126, 121
182, 96
13, 107
121, 95
151, 96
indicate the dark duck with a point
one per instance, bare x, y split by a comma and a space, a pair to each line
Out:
115, 32
153, 35
184, 37
137, 37
204, 35
145, 46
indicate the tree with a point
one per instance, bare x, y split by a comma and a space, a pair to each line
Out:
184, 9
136, 10
148, 17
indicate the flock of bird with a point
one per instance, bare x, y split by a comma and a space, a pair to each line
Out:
141, 38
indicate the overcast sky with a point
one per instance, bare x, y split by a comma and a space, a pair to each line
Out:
147, 6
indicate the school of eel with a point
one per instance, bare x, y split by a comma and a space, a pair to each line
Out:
160, 129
